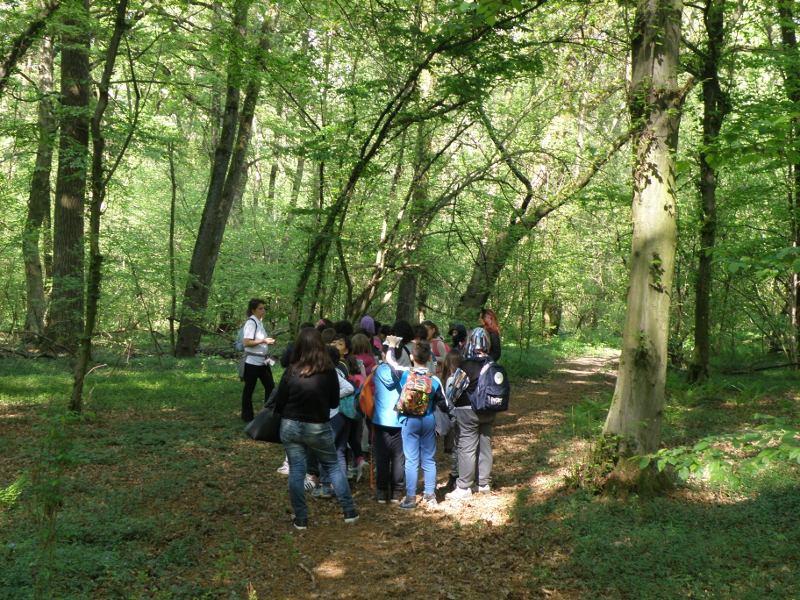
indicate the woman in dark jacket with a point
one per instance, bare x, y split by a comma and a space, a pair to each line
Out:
488, 320
307, 392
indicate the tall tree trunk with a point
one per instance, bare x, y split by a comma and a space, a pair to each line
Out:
99, 184
407, 297
65, 319
173, 288
792, 84
715, 108
218, 207
39, 198
635, 414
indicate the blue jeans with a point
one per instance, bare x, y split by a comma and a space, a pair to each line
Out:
300, 440
341, 431
419, 444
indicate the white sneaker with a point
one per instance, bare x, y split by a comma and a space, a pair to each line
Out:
459, 494
284, 468
309, 483
481, 489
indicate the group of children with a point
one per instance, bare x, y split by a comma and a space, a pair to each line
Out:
401, 370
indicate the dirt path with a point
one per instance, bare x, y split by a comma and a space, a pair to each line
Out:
472, 549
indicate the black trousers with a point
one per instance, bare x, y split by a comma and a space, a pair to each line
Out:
252, 374
389, 460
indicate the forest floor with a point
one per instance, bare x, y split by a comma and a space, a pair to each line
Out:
165, 498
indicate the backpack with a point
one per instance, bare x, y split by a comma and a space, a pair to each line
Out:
366, 396
493, 390
238, 345
416, 395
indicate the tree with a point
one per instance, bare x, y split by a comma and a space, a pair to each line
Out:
39, 198
65, 319
634, 418
715, 108
227, 180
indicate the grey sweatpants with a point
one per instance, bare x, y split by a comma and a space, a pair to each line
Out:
474, 447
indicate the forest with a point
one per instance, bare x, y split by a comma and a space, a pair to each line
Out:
619, 180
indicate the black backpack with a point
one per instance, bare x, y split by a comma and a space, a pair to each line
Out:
493, 390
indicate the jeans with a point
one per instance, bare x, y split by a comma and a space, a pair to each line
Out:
300, 440
389, 460
341, 430
252, 374
419, 445
474, 447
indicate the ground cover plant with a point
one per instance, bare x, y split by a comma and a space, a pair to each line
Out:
154, 492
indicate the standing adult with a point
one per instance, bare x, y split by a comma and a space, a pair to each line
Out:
474, 444
388, 439
488, 320
256, 345
307, 392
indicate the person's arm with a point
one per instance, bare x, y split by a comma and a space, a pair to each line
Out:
282, 393
345, 387
494, 346
250, 338
391, 360
438, 396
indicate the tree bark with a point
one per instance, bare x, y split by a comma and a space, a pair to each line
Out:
39, 198
792, 85
99, 186
715, 108
634, 418
173, 288
407, 297
65, 319
226, 188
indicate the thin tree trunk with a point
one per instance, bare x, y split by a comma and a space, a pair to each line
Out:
173, 288
39, 198
634, 419
792, 85
715, 108
99, 185
65, 319
218, 208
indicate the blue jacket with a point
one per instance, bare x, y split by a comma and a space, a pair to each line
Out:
386, 394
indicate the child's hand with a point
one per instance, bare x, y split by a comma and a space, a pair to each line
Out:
393, 340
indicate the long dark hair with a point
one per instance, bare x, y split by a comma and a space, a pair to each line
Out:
253, 305
452, 361
309, 355
490, 321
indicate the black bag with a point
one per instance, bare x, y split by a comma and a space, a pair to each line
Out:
266, 426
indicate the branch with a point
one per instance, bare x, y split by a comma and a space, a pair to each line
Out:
23, 42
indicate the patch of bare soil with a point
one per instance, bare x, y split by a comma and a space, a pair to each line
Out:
469, 549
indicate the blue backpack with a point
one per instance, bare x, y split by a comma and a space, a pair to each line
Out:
493, 390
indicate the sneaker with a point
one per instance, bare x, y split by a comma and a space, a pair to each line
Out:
409, 503
322, 492
300, 523
351, 516
351, 472
381, 497
397, 497
482, 489
459, 494
284, 468
309, 483
430, 500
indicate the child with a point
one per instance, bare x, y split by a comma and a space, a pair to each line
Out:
418, 431
452, 361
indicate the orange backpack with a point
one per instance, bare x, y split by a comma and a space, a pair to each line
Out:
366, 396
